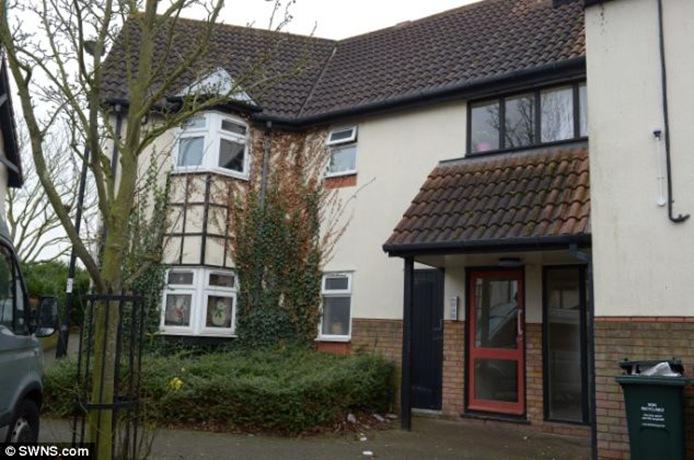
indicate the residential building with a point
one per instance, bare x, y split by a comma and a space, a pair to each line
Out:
641, 195
10, 164
501, 180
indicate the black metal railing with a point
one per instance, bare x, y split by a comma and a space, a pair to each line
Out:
110, 353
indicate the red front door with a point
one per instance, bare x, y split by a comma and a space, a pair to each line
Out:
495, 342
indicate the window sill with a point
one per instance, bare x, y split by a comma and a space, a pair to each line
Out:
342, 181
338, 339
221, 172
190, 333
573, 140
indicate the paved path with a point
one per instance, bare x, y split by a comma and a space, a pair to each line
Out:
430, 439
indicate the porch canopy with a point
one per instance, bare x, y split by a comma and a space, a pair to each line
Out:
534, 200
537, 199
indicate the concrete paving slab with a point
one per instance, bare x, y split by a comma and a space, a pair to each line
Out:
430, 438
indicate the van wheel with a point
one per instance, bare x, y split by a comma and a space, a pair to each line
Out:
25, 423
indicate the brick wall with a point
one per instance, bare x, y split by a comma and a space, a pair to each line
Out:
453, 378
385, 337
636, 338
380, 336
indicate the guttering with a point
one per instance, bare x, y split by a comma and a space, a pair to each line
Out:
487, 86
666, 119
536, 243
568, 68
587, 259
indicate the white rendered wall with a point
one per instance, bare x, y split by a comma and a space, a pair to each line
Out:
395, 155
643, 262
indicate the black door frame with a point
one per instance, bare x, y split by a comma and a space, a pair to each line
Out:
584, 288
435, 304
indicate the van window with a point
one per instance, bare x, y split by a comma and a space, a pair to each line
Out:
7, 311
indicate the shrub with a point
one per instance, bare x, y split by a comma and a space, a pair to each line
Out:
50, 278
286, 391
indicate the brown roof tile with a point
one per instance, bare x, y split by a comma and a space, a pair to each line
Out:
447, 51
505, 205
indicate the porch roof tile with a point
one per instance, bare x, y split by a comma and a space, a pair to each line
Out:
534, 194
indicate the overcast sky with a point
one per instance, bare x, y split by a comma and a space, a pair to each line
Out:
337, 19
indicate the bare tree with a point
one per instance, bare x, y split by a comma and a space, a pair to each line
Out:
34, 227
56, 53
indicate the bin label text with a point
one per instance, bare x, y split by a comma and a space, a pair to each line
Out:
653, 415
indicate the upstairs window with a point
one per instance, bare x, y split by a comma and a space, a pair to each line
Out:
213, 142
532, 118
342, 143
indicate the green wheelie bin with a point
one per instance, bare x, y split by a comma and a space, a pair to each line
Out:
655, 408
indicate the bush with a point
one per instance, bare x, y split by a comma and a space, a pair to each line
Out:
287, 391
50, 279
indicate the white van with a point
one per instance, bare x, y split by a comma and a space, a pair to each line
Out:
21, 357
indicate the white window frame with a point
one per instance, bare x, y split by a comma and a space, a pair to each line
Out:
199, 290
335, 146
336, 293
212, 135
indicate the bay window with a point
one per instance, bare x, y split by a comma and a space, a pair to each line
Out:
213, 141
199, 301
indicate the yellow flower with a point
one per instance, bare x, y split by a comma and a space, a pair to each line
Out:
176, 383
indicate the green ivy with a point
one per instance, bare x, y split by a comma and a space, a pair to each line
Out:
278, 255
142, 268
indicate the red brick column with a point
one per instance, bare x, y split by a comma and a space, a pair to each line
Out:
453, 379
534, 399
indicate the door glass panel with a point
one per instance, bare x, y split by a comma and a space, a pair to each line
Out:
565, 377
496, 313
496, 380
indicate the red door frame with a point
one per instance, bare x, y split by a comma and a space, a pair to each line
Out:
516, 354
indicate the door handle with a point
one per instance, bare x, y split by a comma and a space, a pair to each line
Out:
519, 325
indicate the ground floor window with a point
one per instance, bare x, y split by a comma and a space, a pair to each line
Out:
199, 301
565, 340
336, 310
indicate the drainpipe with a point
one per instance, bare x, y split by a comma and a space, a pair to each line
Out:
406, 364
266, 160
663, 77
263, 193
61, 349
587, 259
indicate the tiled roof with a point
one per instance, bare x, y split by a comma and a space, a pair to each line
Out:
529, 196
288, 65
450, 50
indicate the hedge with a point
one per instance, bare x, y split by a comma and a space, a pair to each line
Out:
287, 391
